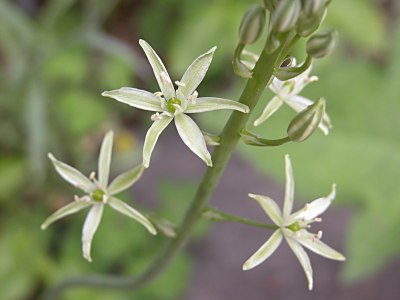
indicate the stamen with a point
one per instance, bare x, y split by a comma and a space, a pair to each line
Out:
86, 198
76, 198
318, 220
319, 234
193, 97
158, 94
179, 83
104, 199
92, 176
312, 79
156, 117
178, 108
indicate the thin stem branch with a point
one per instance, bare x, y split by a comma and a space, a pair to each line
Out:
229, 138
216, 215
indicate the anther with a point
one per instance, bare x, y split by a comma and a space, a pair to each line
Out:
193, 97
158, 94
86, 198
92, 175
178, 83
318, 220
156, 117
76, 198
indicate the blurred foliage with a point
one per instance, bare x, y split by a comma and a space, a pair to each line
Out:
56, 58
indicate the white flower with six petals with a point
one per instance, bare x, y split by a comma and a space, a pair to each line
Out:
171, 104
98, 194
293, 227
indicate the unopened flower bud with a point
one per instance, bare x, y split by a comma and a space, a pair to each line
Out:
285, 15
321, 44
270, 4
313, 8
252, 24
306, 122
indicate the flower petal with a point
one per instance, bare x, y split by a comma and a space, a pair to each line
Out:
137, 98
301, 81
196, 72
105, 159
192, 136
303, 259
89, 228
309, 241
204, 104
269, 110
72, 175
289, 188
270, 207
152, 136
264, 252
316, 207
64, 211
129, 211
160, 72
125, 180
298, 103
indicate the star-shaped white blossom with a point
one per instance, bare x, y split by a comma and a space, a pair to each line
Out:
171, 104
287, 92
294, 228
98, 194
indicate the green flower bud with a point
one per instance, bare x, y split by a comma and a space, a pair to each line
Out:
313, 8
285, 15
306, 122
310, 21
252, 24
321, 44
270, 4
239, 67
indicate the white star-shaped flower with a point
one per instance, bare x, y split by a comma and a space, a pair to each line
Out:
98, 194
287, 92
171, 104
293, 227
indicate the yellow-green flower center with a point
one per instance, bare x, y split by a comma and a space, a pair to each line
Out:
171, 102
97, 195
294, 227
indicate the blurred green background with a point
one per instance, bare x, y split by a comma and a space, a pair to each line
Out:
56, 58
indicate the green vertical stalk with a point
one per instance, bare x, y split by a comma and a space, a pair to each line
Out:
229, 138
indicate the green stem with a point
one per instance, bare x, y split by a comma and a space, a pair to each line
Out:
254, 140
216, 215
286, 49
229, 138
